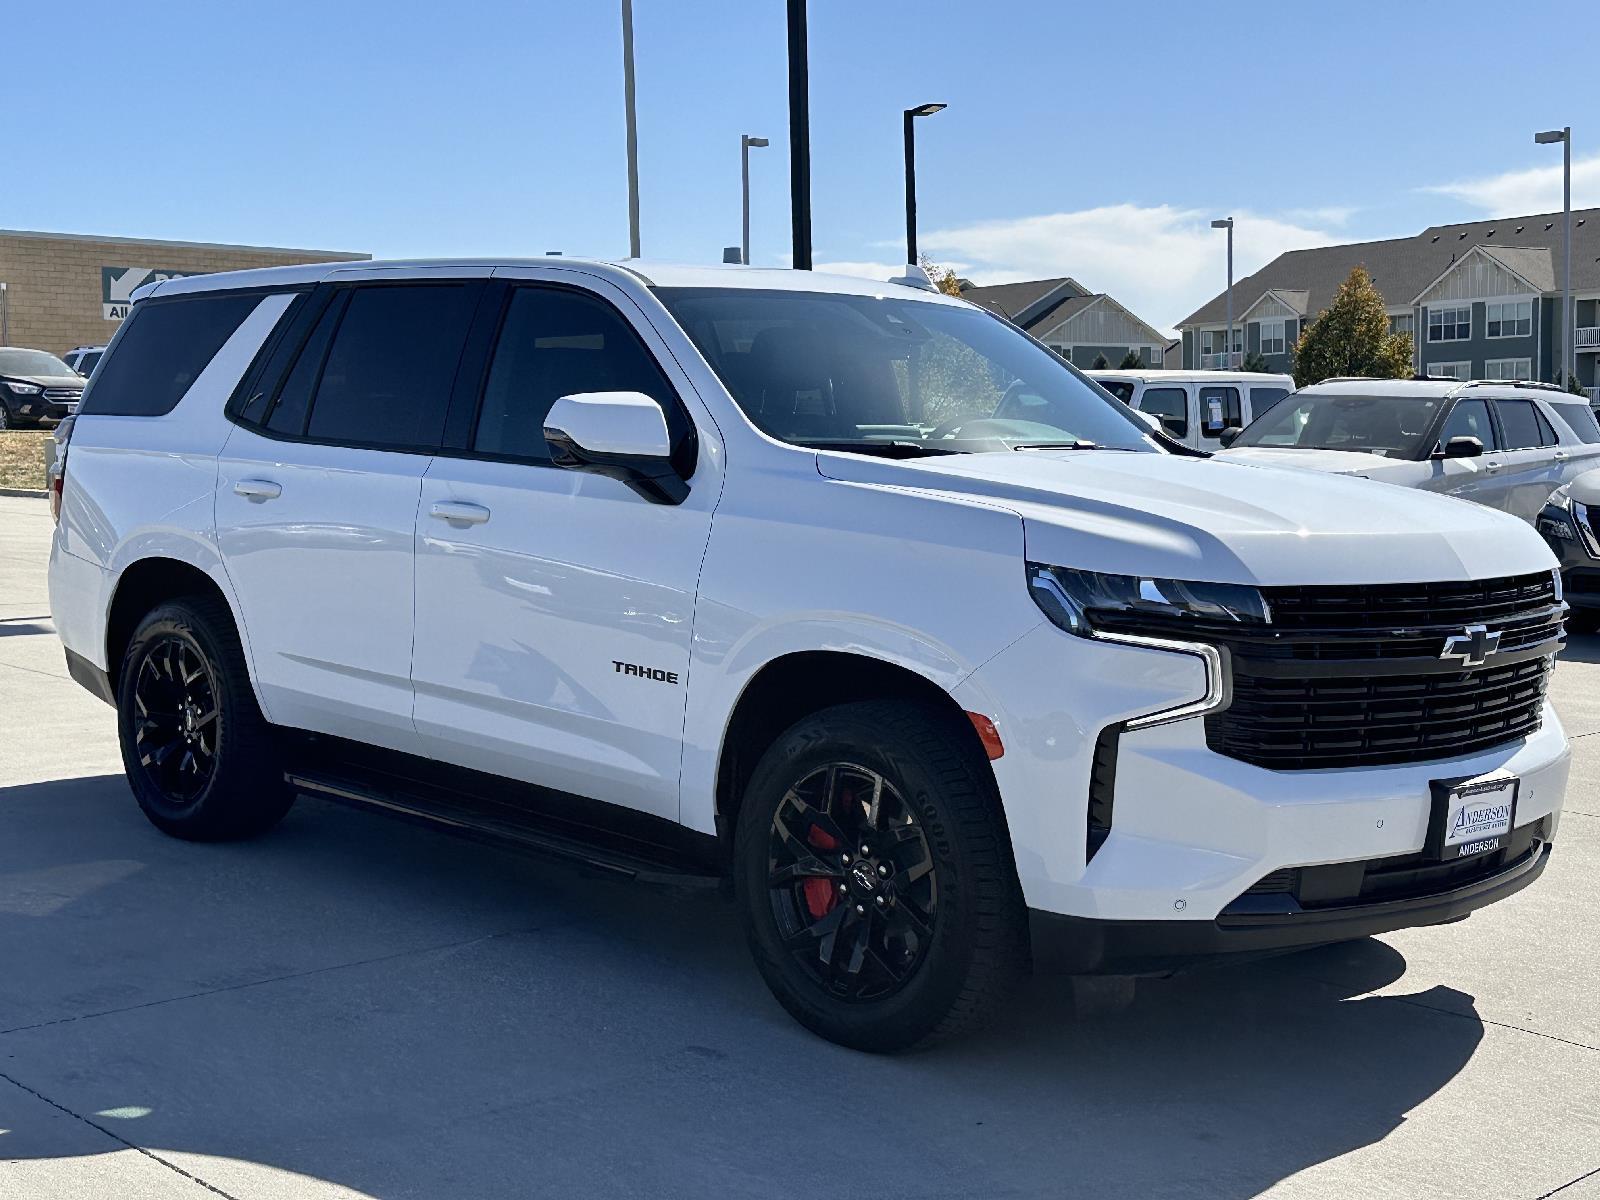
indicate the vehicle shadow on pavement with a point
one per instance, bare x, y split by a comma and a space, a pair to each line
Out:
402, 1013
1581, 647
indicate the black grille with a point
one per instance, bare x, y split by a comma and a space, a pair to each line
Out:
1353, 676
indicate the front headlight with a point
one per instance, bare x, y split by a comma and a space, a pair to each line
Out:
1090, 602
21, 389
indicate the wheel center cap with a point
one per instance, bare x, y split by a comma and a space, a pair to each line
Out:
863, 877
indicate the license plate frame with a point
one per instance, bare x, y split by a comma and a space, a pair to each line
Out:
1466, 820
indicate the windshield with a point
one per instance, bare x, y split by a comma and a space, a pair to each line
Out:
1393, 426
893, 375
32, 362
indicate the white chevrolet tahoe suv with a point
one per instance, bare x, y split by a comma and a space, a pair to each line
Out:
851, 595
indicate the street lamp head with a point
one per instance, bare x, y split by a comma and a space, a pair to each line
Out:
1224, 223
753, 141
925, 110
1549, 136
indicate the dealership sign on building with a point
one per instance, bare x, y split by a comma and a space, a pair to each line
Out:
118, 283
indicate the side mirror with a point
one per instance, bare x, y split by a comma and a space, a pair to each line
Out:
622, 435
1462, 446
1229, 435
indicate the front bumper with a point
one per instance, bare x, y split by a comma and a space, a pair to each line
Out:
1080, 946
1193, 830
38, 409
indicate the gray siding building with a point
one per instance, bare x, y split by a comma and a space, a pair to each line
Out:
1080, 325
1482, 300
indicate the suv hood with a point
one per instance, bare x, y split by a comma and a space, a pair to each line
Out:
1335, 462
1226, 522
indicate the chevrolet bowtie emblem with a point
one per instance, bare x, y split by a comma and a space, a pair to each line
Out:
1472, 645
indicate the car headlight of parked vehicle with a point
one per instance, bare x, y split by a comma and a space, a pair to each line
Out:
1567, 520
21, 389
1094, 604
1184, 616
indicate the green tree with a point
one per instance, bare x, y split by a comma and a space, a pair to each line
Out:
1351, 337
1574, 386
1099, 364
943, 277
1130, 361
1255, 361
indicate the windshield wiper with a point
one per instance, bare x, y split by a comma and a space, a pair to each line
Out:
1079, 444
894, 449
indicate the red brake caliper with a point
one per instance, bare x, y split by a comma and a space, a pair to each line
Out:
819, 893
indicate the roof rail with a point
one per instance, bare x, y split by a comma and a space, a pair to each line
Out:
1527, 383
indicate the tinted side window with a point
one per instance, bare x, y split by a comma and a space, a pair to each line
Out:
162, 350
293, 401
1170, 405
556, 343
1122, 389
1263, 399
1219, 408
1519, 423
1581, 419
386, 381
1469, 418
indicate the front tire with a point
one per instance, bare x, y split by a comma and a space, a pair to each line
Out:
201, 759
875, 878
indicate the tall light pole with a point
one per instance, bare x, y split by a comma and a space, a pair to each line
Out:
911, 114
799, 136
633, 128
1227, 348
1568, 331
745, 142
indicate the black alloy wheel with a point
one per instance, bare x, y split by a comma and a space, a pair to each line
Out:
175, 720
852, 882
201, 758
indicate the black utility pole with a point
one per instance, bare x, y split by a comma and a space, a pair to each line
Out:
799, 136
922, 110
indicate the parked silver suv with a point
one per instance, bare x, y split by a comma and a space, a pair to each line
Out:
1504, 444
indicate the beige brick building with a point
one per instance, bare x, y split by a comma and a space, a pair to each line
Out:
66, 289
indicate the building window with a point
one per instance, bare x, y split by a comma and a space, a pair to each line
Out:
1511, 318
1403, 323
1450, 370
1450, 324
1508, 368
1272, 337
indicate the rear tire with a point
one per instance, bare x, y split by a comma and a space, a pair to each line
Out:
922, 937
201, 759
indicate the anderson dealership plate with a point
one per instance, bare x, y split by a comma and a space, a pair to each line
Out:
1471, 816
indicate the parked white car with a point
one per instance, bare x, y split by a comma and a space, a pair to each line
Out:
1507, 445
1195, 407
848, 592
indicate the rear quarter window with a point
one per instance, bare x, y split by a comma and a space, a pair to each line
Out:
161, 351
1580, 419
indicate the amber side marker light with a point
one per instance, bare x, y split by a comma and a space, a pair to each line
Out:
987, 734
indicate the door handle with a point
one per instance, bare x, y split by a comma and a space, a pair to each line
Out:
1560, 456
258, 489
1491, 466
459, 513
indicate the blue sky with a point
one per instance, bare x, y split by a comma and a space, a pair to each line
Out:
1084, 139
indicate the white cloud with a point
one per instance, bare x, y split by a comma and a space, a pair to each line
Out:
1162, 262
867, 270
1532, 190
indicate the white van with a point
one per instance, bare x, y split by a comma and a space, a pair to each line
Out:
1196, 406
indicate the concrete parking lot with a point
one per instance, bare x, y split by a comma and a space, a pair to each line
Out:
355, 1007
